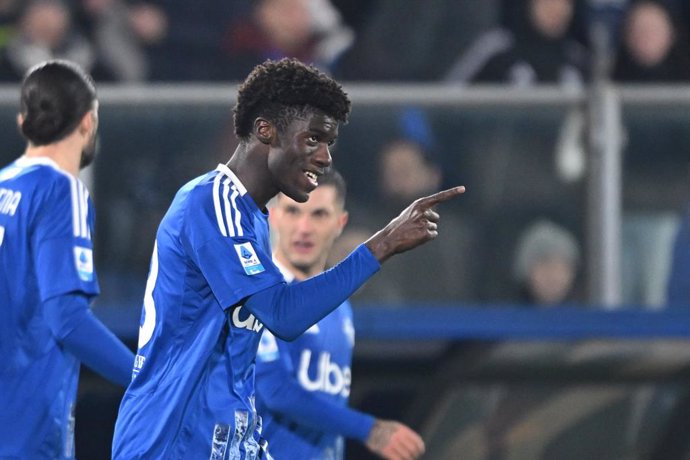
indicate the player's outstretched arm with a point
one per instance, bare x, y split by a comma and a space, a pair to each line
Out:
394, 441
416, 224
289, 310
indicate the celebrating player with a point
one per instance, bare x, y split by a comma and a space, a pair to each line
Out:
213, 287
302, 387
48, 278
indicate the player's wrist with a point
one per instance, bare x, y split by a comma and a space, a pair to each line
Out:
379, 435
379, 246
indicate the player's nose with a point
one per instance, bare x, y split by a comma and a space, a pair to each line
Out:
322, 157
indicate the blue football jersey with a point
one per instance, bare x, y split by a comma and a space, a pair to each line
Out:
192, 392
319, 362
46, 223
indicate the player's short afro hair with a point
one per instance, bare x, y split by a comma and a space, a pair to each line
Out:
282, 90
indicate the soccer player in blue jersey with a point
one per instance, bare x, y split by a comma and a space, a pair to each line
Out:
302, 387
212, 285
46, 261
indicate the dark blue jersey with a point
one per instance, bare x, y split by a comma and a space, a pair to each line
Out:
303, 388
46, 223
192, 393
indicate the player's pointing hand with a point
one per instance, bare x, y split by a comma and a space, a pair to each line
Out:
417, 224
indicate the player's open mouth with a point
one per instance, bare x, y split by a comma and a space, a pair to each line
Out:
313, 177
303, 246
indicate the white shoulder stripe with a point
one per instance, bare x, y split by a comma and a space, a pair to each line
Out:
79, 194
235, 180
86, 206
238, 215
228, 215
216, 205
84, 210
226, 204
75, 205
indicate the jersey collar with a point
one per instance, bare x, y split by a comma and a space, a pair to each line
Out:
25, 161
287, 274
235, 180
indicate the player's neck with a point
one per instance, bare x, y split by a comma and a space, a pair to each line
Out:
61, 153
250, 168
299, 273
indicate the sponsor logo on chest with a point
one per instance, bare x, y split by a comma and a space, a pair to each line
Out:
243, 321
330, 378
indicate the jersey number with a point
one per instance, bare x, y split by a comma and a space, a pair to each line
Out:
146, 329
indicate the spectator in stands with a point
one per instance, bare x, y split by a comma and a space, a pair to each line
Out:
45, 31
9, 13
184, 38
546, 264
121, 33
538, 48
309, 30
653, 48
406, 168
414, 43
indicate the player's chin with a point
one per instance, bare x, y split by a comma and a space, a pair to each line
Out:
300, 196
302, 263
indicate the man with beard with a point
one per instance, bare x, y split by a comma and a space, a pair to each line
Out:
46, 261
536, 47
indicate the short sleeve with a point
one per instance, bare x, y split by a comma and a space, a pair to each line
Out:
229, 243
236, 269
61, 240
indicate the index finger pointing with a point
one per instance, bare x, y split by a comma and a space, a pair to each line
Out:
439, 197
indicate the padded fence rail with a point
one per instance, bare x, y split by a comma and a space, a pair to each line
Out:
421, 322
482, 322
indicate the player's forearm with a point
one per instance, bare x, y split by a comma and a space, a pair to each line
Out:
286, 397
289, 310
85, 337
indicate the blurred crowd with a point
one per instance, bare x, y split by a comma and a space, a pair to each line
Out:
463, 41
515, 204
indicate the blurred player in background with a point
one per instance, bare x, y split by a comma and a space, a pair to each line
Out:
46, 261
302, 387
212, 284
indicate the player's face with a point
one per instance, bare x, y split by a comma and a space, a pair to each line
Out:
306, 231
302, 154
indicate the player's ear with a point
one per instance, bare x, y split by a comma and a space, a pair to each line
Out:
273, 210
20, 120
87, 123
342, 222
264, 130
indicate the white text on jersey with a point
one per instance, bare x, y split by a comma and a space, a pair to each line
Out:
330, 378
249, 323
9, 201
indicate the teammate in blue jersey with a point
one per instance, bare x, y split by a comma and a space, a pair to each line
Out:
46, 261
212, 285
302, 387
